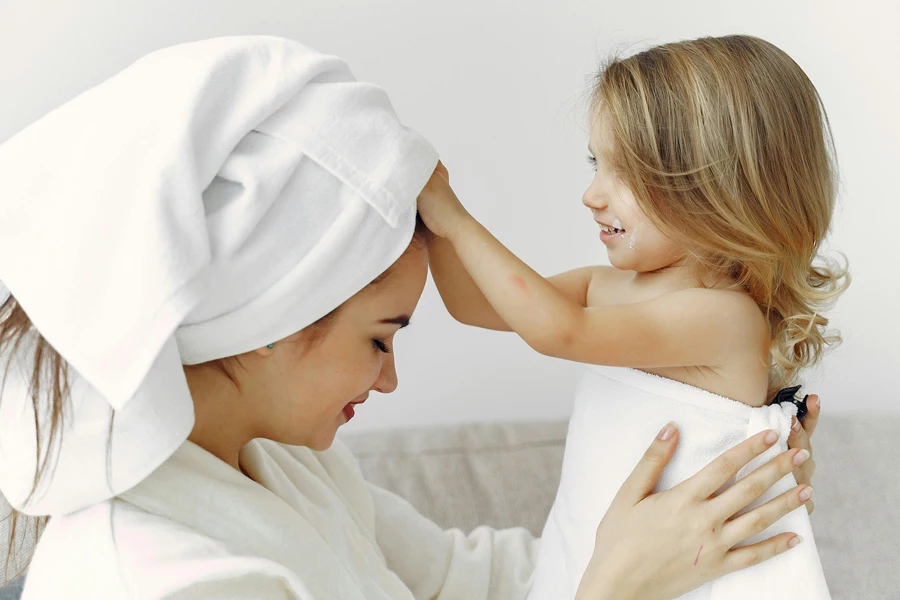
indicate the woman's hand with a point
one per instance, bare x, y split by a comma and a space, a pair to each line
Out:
660, 546
799, 438
439, 208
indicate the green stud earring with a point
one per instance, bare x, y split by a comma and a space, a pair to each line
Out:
270, 346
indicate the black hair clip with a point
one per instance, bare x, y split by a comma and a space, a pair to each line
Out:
790, 395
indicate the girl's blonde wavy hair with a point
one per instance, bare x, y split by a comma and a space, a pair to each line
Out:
726, 146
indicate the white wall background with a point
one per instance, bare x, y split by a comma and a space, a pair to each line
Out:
498, 86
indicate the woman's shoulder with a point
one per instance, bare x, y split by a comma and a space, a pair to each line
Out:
110, 550
117, 550
75, 558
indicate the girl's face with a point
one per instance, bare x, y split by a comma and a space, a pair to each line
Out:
302, 390
632, 242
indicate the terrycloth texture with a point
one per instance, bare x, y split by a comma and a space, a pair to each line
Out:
208, 200
617, 412
312, 529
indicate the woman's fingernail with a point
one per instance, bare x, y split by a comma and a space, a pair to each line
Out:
794, 541
795, 426
801, 457
816, 403
667, 432
806, 493
771, 437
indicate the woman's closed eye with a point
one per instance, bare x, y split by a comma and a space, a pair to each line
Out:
401, 321
592, 161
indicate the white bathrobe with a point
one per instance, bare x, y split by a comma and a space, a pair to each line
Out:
306, 526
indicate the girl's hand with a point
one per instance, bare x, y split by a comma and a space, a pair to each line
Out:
660, 546
799, 438
439, 208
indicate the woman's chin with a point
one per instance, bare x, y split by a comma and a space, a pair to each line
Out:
316, 440
322, 441
321, 446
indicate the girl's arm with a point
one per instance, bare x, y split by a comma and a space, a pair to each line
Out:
685, 328
466, 303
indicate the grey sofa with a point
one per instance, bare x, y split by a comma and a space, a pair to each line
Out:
506, 475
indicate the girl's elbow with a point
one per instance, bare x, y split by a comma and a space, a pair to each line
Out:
553, 343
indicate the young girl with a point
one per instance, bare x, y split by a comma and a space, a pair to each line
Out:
713, 190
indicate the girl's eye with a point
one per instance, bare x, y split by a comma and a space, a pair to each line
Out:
592, 161
381, 346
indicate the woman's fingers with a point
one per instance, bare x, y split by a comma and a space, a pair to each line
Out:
799, 438
748, 556
754, 521
717, 473
640, 483
754, 485
811, 419
801, 431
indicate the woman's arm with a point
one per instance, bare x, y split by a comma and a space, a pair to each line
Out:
486, 564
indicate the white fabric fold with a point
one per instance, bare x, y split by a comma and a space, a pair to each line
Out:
210, 199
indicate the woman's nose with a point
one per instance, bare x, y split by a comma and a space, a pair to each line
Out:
387, 378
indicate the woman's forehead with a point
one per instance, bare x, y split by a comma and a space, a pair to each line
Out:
398, 292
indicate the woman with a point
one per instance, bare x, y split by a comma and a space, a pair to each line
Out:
234, 236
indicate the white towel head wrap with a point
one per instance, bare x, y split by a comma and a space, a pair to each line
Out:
208, 200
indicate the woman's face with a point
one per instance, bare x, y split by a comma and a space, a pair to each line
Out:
302, 390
